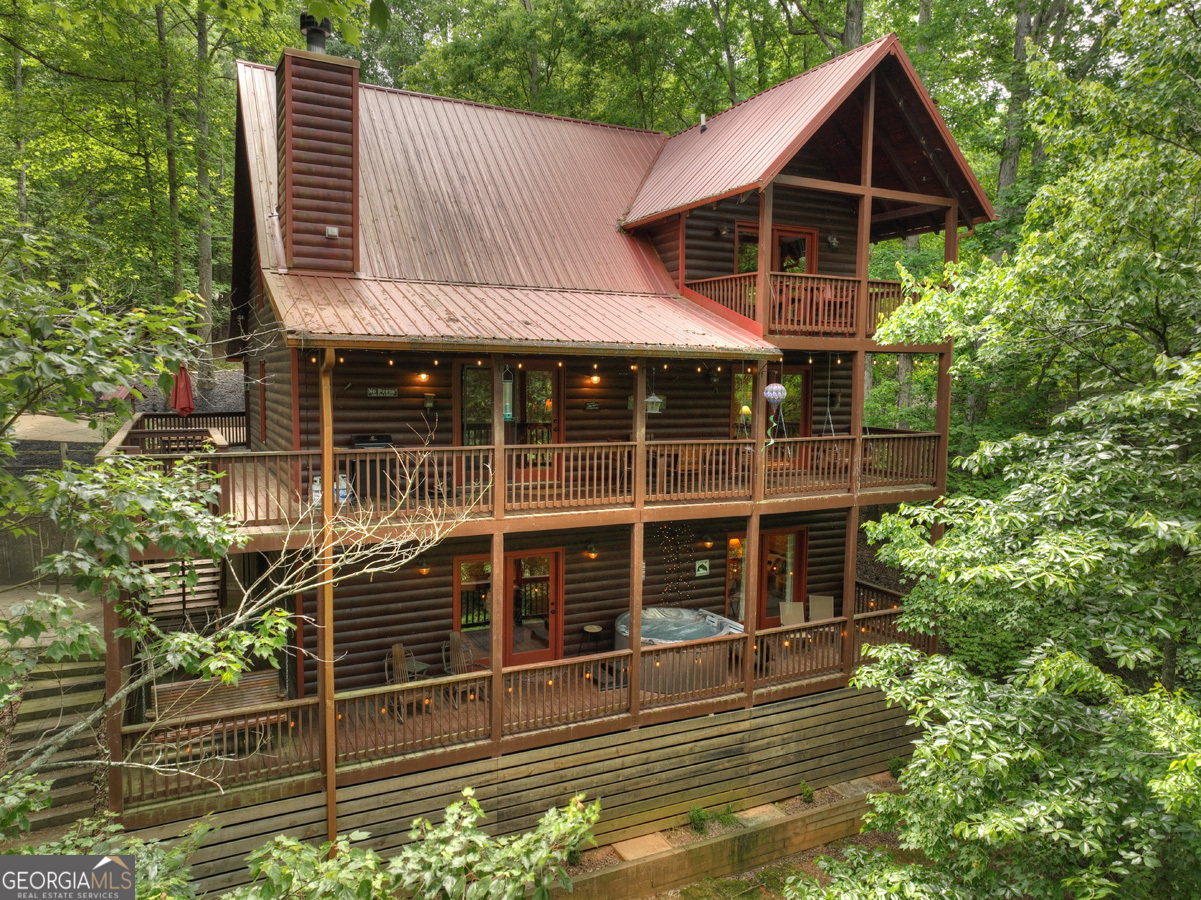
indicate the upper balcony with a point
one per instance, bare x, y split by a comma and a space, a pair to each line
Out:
803, 304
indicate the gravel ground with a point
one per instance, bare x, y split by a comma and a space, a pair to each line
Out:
227, 395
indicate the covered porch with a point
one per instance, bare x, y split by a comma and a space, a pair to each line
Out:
556, 669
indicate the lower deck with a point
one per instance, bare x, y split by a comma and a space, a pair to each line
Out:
444, 660
646, 780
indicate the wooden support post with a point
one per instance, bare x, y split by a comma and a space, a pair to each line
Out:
750, 603
763, 302
864, 243
858, 363
950, 236
848, 590
942, 420
637, 555
326, 713
496, 634
638, 432
114, 667
500, 468
759, 431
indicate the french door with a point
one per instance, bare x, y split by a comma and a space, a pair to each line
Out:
533, 607
783, 563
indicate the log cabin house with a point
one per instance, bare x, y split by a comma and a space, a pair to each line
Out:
563, 333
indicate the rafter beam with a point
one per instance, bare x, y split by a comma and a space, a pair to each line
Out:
919, 135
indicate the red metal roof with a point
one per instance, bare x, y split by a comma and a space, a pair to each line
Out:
329, 310
747, 145
461, 192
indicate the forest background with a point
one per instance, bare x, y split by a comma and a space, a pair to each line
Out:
117, 118
1061, 746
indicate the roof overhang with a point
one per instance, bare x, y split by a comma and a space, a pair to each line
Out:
379, 314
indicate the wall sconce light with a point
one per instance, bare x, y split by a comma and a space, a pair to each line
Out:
423, 564
506, 387
810, 359
590, 551
429, 401
595, 379
707, 541
341, 359
391, 361
423, 377
723, 228
838, 361
312, 359
832, 240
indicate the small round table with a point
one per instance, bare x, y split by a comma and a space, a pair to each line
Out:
590, 637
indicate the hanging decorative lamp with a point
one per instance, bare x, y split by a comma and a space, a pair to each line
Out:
654, 403
774, 394
506, 386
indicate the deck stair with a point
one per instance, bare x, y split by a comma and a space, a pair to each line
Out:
55, 697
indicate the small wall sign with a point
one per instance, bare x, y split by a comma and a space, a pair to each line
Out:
383, 392
702, 567
592, 406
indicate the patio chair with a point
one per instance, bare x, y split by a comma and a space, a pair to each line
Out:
402, 667
821, 607
459, 659
792, 612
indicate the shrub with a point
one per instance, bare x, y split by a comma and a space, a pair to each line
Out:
805, 792
896, 765
698, 819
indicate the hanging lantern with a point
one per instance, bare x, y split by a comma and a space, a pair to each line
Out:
654, 403
775, 393
506, 386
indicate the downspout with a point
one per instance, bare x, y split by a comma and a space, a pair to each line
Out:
325, 603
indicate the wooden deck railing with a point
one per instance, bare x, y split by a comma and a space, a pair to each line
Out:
394, 720
899, 459
699, 470
808, 465
193, 754
174, 440
271, 488
268, 488
401, 482
881, 628
873, 598
812, 304
883, 299
544, 695
792, 653
695, 670
734, 292
558, 476
232, 425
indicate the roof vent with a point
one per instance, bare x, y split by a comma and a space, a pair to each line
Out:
703, 125
315, 32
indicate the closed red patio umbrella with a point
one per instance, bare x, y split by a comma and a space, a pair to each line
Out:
181, 393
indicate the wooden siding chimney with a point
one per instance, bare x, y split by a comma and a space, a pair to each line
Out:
317, 98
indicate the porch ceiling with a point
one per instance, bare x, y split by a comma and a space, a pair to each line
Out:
319, 310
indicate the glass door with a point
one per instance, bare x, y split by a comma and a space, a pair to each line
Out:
472, 612
536, 419
534, 608
782, 572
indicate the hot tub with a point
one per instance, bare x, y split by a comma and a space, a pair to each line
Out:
673, 673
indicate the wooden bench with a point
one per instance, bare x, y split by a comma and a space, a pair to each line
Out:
235, 705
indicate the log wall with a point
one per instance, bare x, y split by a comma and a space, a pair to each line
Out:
371, 613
